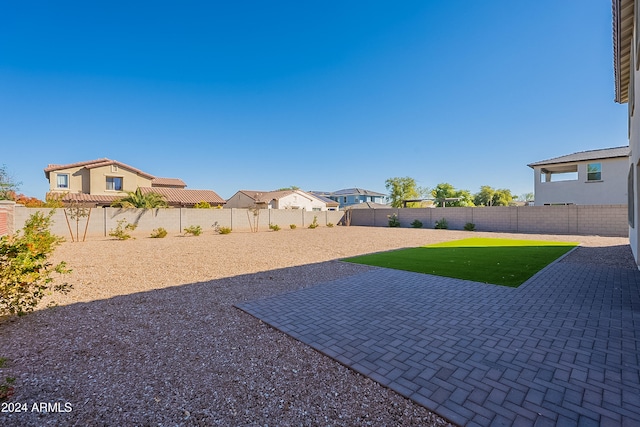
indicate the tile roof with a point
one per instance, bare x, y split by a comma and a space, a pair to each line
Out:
168, 182
324, 199
182, 196
604, 153
358, 191
90, 164
173, 196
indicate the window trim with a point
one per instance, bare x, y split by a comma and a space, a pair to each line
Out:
599, 172
60, 175
113, 181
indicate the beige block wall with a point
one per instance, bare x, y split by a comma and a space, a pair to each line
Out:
604, 220
102, 220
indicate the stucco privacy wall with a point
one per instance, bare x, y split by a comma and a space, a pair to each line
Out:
602, 220
103, 220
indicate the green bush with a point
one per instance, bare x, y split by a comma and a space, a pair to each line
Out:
470, 226
224, 230
194, 230
416, 224
120, 231
293, 226
274, 227
26, 272
393, 220
159, 233
329, 224
442, 224
202, 205
314, 224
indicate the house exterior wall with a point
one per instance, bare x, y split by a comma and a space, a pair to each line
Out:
354, 199
299, 200
94, 180
612, 189
633, 166
239, 200
130, 180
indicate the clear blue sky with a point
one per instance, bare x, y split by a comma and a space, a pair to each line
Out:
231, 95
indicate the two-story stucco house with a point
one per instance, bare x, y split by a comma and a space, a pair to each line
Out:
353, 196
626, 65
285, 199
100, 182
595, 177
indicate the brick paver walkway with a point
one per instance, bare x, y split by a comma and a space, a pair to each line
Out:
562, 349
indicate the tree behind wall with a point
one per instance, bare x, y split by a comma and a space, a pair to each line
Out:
8, 185
401, 189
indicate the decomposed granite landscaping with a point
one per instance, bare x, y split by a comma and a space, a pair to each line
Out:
150, 334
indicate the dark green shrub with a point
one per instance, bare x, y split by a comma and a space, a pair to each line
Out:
442, 224
416, 223
470, 226
293, 226
329, 224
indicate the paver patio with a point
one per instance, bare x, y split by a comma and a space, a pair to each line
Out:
562, 349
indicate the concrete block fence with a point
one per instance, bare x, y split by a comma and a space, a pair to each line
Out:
601, 220
102, 220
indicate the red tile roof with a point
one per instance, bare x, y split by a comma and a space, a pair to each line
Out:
173, 196
168, 182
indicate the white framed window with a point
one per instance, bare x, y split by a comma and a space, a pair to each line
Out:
594, 172
114, 183
62, 180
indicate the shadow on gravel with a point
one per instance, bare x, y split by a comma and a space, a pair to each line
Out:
185, 356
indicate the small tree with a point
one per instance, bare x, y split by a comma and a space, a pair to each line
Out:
137, 199
26, 272
8, 185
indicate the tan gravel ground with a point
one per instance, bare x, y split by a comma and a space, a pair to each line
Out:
149, 335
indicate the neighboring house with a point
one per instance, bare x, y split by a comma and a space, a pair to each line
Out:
100, 182
285, 199
353, 196
626, 66
595, 177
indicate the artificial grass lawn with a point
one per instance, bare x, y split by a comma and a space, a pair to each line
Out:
498, 261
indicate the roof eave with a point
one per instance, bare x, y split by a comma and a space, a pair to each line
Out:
622, 11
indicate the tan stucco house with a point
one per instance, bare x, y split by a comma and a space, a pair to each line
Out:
100, 182
594, 177
626, 65
285, 199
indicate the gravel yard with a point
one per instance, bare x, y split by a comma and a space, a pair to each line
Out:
149, 334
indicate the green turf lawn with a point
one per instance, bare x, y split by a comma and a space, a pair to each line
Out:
497, 261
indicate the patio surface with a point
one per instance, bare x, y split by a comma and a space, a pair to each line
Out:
562, 349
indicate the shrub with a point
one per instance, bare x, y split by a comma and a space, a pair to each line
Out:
202, 205
120, 231
159, 233
314, 224
470, 226
442, 224
393, 220
274, 227
416, 223
26, 272
224, 230
293, 226
329, 224
194, 230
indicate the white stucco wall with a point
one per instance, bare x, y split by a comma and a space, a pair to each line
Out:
634, 145
300, 200
611, 190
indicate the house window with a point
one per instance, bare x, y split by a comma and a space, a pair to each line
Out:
62, 180
114, 183
594, 172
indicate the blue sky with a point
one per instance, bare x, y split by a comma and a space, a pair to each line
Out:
322, 95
